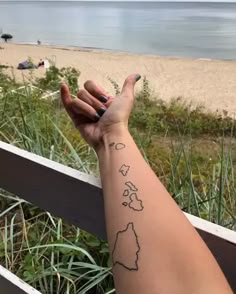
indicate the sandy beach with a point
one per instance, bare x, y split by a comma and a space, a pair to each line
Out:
211, 83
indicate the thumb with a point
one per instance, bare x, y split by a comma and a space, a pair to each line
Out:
128, 87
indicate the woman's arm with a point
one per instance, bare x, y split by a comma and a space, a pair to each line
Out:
153, 246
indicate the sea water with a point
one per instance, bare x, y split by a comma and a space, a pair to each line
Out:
205, 30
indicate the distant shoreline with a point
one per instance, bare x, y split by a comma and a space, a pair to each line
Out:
97, 49
197, 80
65, 47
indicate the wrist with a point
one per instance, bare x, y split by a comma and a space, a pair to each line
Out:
113, 136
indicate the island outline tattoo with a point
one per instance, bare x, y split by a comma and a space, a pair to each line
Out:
127, 235
120, 146
135, 203
124, 169
131, 186
126, 193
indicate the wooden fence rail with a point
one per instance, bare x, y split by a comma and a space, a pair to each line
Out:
11, 284
77, 198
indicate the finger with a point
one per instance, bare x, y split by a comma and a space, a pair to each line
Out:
128, 87
96, 91
65, 96
67, 101
78, 110
92, 101
82, 108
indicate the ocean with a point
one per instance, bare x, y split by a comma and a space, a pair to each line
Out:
202, 30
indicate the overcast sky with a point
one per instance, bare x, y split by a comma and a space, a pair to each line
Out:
223, 1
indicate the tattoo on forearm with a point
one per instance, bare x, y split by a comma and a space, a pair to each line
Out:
131, 186
132, 200
126, 192
124, 169
134, 203
126, 258
118, 146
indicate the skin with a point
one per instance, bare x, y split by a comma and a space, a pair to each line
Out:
154, 248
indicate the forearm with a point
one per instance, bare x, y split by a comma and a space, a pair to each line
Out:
149, 253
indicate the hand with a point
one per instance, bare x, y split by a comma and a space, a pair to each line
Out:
95, 113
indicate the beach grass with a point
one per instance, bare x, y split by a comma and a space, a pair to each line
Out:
191, 150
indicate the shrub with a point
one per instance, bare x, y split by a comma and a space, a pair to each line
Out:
54, 76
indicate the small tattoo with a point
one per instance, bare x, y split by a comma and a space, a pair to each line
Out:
126, 238
131, 186
125, 203
135, 203
120, 146
124, 169
126, 192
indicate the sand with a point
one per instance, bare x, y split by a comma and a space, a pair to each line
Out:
211, 83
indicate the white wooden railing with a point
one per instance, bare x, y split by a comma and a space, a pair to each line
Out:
77, 198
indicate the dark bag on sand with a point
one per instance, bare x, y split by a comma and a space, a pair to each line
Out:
26, 65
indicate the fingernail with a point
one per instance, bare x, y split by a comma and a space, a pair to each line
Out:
138, 77
96, 117
101, 111
103, 99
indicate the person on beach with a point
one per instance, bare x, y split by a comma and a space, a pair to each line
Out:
153, 246
41, 63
